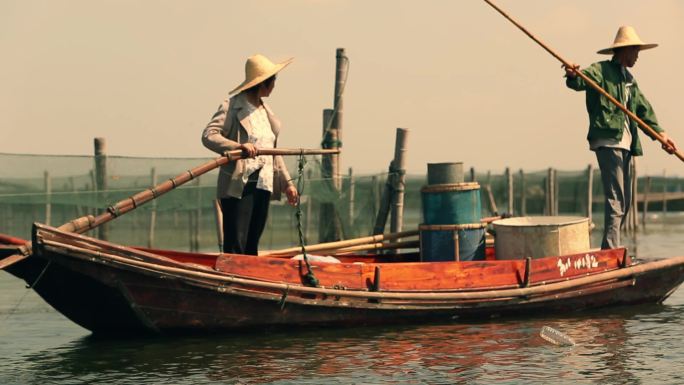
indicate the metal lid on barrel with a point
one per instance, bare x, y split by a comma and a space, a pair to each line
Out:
447, 199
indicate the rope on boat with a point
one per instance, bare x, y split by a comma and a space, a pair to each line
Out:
31, 286
309, 278
35, 283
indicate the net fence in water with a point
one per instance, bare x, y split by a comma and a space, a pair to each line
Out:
57, 189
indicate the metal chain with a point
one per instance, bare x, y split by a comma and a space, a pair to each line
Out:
309, 278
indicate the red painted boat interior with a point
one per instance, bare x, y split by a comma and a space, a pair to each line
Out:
401, 271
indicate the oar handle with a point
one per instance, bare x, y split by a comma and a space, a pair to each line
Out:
643, 125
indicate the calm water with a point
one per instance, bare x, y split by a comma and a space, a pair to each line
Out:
620, 346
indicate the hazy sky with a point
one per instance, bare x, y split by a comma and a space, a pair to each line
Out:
148, 75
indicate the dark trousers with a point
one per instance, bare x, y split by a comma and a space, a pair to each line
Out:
617, 187
244, 220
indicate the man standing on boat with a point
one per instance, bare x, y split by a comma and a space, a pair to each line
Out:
612, 135
246, 186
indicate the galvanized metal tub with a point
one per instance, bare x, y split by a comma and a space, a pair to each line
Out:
441, 243
449, 204
541, 236
445, 173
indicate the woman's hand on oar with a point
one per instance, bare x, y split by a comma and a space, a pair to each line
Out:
248, 150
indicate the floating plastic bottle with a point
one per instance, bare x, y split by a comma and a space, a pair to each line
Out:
556, 337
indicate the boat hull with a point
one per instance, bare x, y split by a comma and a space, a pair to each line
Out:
120, 292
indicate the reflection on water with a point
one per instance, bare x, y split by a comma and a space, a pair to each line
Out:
628, 345
616, 346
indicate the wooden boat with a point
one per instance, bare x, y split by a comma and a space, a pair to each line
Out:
113, 289
110, 289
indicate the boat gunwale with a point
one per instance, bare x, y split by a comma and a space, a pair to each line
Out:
182, 273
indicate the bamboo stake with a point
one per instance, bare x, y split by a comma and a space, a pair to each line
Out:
647, 190
89, 222
398, 181
664, 193
47, 182
509, 189
352, 193
523, 194
644, 127
101, 176
492, 202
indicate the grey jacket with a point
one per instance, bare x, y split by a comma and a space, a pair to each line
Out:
228, 128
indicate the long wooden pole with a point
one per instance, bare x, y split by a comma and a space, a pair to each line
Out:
345, 243
643, 125
89, 222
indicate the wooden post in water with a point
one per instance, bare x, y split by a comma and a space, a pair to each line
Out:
191, 241
509, 190
375, 192
74, 195
101, 180
555, 192
647, 190
309, 205
153, 210
350, 211
398, 181
664, 192
341, 68
47, 183
523, 194
329, 228
549, 192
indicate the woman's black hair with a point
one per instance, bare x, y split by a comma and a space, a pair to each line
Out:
266, 83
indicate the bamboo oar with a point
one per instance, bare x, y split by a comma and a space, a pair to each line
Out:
341, 244
376, 246
643, 125
89, 222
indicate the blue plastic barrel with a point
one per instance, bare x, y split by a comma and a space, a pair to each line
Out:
448, 204
440, 243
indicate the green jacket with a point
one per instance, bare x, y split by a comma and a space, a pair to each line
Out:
606, 120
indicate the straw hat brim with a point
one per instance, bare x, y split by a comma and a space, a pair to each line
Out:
609, 50
249, 83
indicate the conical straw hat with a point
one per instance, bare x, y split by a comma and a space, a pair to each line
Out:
257, 69
626, 36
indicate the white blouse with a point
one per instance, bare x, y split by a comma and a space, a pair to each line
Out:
262, 136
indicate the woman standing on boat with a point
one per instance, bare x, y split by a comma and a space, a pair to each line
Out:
612, 135
246, 186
